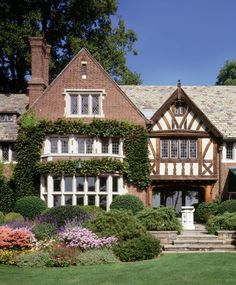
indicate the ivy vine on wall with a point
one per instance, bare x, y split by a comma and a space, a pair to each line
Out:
135, 166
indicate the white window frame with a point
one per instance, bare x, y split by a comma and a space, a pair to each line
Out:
79, 93
10, 153
224, 151
47, 194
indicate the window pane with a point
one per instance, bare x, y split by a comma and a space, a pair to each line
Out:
164, 148
103, 202
56, 183
115, 146
5, 152
84, 69
45, 183
95, 104
84, 105
2, 117
115, 184
91, 199
103, 184
89, 145
79, 183
14, 158
53, 142
91, 183
229, 150
68, 183
64, 145
193, 149
56, 200
174, 149
68, 199
74, 105
80, 200
183, 149
81, 148
105, 145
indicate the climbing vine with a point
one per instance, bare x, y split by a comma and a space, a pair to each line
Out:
135, 166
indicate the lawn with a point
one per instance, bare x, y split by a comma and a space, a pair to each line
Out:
178, 269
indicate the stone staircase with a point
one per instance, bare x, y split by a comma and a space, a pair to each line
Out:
198, 241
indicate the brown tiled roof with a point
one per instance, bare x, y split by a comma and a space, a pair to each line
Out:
218, 103
11, 103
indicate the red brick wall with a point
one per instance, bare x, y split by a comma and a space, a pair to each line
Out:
115, 105
141, 194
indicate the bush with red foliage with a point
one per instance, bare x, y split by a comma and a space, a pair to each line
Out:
19, 238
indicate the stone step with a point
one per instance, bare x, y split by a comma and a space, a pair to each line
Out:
196, 237
196, 242
193, 232
198, 248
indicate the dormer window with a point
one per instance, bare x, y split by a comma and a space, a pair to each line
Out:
84, 69
6, 117
179, 108
84, 103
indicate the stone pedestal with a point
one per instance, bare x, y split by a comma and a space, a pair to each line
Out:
187, 217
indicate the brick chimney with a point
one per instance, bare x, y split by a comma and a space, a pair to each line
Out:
40, 52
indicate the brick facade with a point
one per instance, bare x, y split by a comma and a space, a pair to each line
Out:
49, 102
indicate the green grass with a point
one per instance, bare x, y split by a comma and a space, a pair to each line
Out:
177, 269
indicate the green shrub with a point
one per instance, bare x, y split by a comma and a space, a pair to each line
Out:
127, 202
11, 217
160, 219
97, 256
61, 214
44, 231
204, 211
7, 197
2, 218
227, 221
121, 224
30, 206
93, 211
227, 206
32, 259
141, 248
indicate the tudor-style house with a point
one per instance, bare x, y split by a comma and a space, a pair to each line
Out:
191, 129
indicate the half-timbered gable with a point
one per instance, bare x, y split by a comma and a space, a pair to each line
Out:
182, 141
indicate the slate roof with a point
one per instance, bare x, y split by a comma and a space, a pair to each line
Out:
218, 103
11, 103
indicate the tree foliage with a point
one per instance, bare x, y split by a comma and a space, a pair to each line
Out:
227, 74
67, 25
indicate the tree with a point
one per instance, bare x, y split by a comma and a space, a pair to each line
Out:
227, 74
67, 25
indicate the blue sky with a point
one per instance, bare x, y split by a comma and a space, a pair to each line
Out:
180, 39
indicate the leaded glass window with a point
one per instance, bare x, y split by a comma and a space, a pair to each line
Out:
74, 104
64, 145
105, 145
164, 148
115, 146
229, 150
174, 149
192, 149
81, 145
183, 149
95, 104
85, 104
89, 145
53, 143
